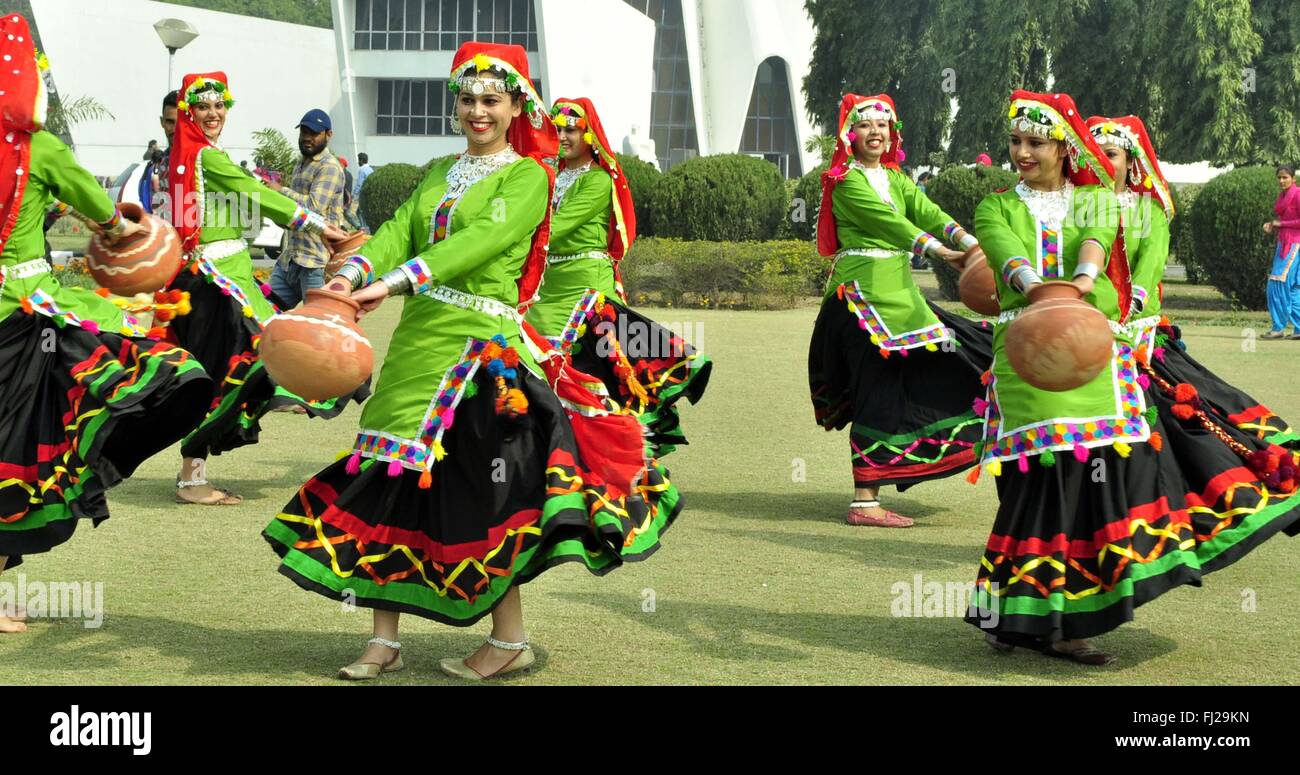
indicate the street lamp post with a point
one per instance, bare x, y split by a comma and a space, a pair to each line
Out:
175, 35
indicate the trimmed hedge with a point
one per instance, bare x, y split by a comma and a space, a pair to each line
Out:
805, 202
958, 191
642, 177
1227, 226
753, 275
385, 190
725, 198
1182, 246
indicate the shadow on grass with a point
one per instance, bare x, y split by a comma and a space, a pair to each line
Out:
734, 633
799, 507
152, 491
871, 548
215, 655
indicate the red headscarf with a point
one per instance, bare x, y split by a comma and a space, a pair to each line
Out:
22, 111
187, 142
1144, 176
1055, 117
581, 113
531, 135
851, 108
1058, 119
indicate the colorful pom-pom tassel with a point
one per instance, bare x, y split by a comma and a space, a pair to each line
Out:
1123, 449
862, 324
994, 467
1023, 464
1144, 381
980, 406
90, 326
884, 353
248, 312
1184, 411
1047, 459
448, 417
1157, 441
932, 347
1081, 453
1184, 393
439, 452
395, 469
426, 479
903, 353
471, 389
974, 475
354, 464
26, 305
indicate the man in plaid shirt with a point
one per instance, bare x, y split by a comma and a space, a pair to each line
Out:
318, 185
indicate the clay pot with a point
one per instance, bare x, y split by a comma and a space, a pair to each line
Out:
342, 251
317, 351
142, 263
977, 286
1059, 342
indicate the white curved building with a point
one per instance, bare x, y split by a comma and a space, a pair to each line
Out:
696, 77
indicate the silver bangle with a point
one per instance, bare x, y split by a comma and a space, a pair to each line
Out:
968, 241
315, 223
1092, 270
1024, 277
353, 274
398, 282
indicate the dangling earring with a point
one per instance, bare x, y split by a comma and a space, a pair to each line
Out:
455, 124
1134, 174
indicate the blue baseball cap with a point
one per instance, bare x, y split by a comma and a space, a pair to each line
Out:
316, 120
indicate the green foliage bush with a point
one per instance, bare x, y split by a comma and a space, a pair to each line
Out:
804, 204
1227, 228
725, 198
642, 177
957, 191
732, 275
386, 189
1182, 244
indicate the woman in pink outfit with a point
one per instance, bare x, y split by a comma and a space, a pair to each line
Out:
1284, 280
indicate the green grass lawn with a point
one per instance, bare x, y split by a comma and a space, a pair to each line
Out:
759, 582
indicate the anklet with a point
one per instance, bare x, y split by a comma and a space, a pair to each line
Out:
504, 646
378, 641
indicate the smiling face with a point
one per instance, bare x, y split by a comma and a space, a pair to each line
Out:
210, 115
574, 148
1285, 179
872, 140
1038, 160
486, 119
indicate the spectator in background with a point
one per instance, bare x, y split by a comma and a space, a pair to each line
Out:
923, 180
363, 172
349, 201
1284, 280
318, 185
154, 180
149, 152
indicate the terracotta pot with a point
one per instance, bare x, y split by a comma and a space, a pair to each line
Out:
977, 286
317, 351
1059, 342
342, 251
142, 263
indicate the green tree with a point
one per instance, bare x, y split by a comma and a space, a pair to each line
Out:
63, 113
315, 13
1275, 102
274, 152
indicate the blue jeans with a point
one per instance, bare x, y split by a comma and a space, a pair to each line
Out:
290, 282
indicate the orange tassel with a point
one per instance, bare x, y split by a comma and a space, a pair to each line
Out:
884, 353
101, 293
1183, 411
510, 357
426, 480
840, 292
1184, 393
974, 475
27, 305
1157, 442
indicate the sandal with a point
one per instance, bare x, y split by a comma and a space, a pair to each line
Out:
365, 671
858, 516
521, 661
226, 497
1273, 335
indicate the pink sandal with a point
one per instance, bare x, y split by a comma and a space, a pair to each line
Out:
859, 518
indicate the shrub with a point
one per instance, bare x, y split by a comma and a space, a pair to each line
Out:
755, 275
1182, 245
804, 204
385, 190
642, 177
726, 198
428, 165
1230, 244
958, 191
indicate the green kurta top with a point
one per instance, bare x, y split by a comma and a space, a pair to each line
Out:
877, 238
465, 282
1024, 420
1146, 241
55, 174
579, 260
229, 195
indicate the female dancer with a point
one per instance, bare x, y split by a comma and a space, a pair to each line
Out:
581, 306
902, 371
213, 202
1150, 490
1284, 280
1145, 211
85, 397
470, 475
